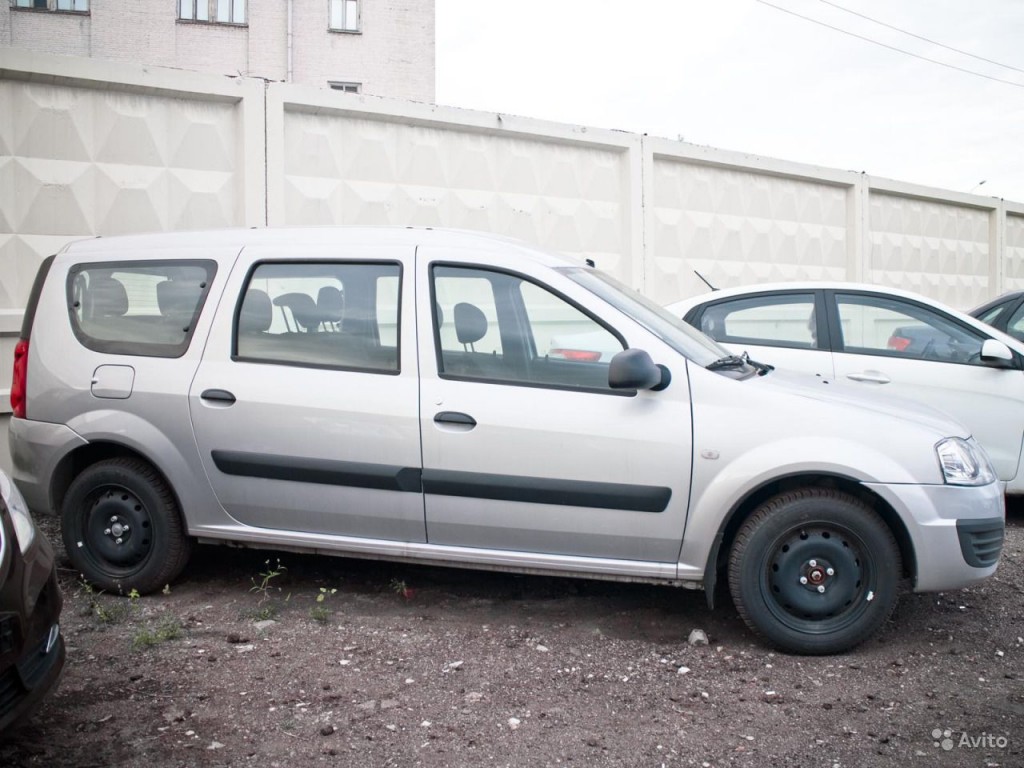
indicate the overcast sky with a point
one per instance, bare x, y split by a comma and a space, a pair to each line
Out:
745, 76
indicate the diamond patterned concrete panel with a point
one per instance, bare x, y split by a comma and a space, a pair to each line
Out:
1014, 253
737, 227
130, 199
935, 248
571, 197
52, 122
42, 196
130, 129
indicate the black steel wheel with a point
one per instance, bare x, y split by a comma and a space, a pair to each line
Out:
815, 571
122, 527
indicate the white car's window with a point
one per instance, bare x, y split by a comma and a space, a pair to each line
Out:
1015, 325
499, 327
333, 315
880, 325
781, 320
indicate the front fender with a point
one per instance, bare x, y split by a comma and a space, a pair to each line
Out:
722, 484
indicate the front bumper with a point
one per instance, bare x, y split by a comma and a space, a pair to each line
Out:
956, 531
31, 645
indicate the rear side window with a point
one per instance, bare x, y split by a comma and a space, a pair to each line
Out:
321, 315
138, 308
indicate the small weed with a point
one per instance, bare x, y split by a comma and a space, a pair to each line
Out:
400, 587
168, 628
112, 611
321, 612
166, 590
264, 612
265, 577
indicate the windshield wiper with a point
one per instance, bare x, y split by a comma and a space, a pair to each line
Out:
729, 361
740, 361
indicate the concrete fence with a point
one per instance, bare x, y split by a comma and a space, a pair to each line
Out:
90, 148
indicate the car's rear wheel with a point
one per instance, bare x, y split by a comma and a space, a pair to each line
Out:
122, 527
815, 571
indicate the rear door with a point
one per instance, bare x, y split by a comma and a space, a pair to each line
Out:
305, 404
527, 449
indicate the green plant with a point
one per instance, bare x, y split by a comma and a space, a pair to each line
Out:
321, 612
262, 586
168, 628
109, 611
400, 587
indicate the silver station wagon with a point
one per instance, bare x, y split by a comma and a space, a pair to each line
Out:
400, 393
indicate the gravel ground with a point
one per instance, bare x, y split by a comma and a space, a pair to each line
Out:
278, 659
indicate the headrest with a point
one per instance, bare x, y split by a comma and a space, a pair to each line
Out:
470, 323
302, 307
178, 298
257, 312
330, 302
108, 296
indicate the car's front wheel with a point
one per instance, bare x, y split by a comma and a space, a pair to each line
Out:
815, 571
122, 528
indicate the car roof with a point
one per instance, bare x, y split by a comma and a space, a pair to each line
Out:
685, 305
312, 236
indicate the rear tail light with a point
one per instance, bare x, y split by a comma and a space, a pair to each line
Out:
18, 390
577, 355
899, 343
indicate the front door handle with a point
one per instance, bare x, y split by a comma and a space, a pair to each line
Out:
454, 417
874, 377
219, 395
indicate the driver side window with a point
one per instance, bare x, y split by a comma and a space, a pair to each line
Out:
879, 325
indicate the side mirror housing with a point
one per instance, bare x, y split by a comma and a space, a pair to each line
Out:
634, 369
996, 352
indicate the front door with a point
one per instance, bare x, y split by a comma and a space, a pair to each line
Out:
525, 446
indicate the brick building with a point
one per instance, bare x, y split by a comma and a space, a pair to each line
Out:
378, 47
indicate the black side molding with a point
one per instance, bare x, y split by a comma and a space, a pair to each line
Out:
474, 485
353, 474
544, 490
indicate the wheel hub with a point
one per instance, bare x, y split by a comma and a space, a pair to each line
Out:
118, 527
815, 574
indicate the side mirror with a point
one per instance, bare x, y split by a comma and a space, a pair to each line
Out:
995, 351
634, 369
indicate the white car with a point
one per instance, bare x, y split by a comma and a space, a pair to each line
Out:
882, 339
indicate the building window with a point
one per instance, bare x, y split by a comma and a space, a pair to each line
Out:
337, 85
345, 15
72, 6
217, 11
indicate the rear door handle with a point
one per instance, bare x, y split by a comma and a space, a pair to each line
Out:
219, 395
454, 417
875, 377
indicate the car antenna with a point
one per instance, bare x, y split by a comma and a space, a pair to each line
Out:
704, 280
590, 262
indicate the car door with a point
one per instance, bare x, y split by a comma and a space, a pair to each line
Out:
906, 348
787, 329
532, 452
305, 406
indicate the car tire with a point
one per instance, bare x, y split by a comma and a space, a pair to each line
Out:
122, 527
815, 571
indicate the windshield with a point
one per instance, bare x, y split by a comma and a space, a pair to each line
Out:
683, 338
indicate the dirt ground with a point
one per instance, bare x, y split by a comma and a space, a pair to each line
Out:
277, 659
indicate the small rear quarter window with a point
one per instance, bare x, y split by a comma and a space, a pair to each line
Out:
138, 308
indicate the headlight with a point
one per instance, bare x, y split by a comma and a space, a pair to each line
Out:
964, 462
24, 528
